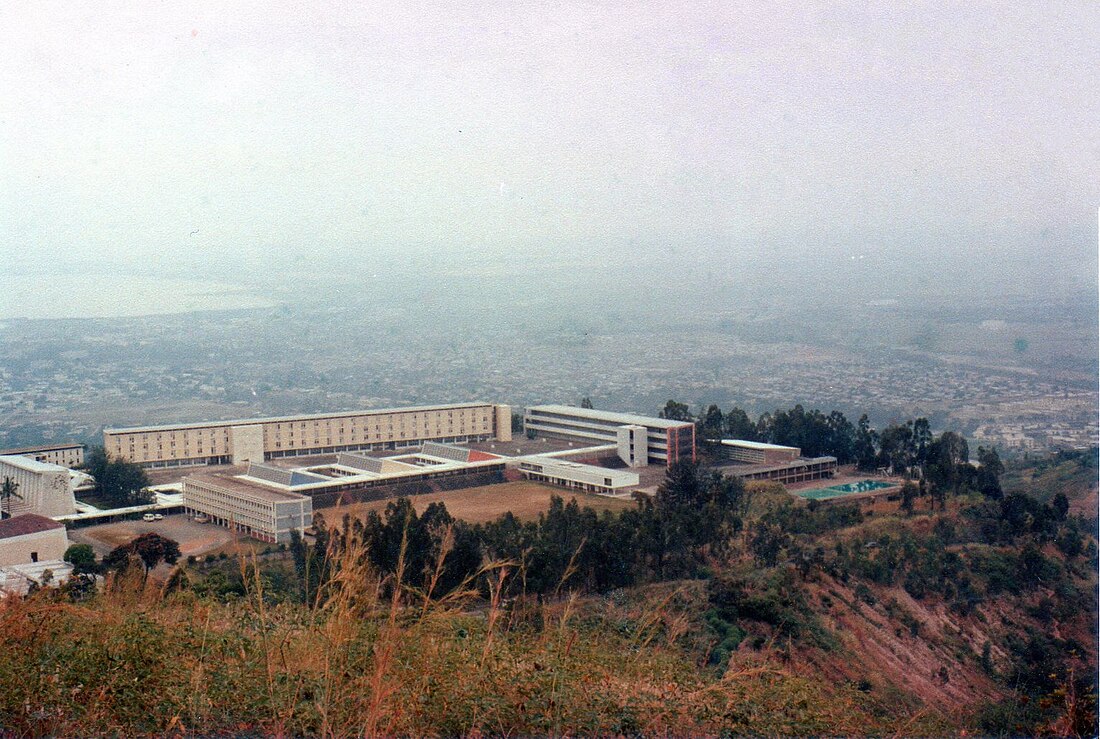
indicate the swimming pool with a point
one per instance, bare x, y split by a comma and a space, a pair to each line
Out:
851, 488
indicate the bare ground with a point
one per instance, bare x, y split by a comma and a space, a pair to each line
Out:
526, 500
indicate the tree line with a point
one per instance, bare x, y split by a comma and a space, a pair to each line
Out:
693, 516
908, 448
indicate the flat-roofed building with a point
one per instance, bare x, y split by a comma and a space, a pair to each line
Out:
41, 487
66, 455
641, 440
577, 476
757, 452
31, 538
796, 470
251, 508
259, 439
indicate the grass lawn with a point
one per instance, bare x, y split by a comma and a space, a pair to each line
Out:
526, 500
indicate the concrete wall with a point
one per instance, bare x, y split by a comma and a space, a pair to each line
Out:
247, 443
45, 489
47, 545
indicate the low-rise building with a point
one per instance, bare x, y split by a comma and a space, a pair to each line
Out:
31, 538
577, 476
757, 452
41, 487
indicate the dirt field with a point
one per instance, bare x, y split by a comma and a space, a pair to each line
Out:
194, 538
526, 500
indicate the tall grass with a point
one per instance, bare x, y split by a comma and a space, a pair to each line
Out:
368, 655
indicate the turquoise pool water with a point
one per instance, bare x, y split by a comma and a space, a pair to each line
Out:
851, 488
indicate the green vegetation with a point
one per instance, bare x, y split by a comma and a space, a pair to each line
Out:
9, 490
711, 608
117, 483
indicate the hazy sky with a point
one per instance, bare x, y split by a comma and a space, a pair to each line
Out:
170, 133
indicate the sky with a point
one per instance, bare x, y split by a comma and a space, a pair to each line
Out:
152, 137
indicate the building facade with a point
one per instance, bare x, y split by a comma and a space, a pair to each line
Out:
261, 512
42, 488
31, 538
256, 440
577, 476
641, 440
66, 455
757, 452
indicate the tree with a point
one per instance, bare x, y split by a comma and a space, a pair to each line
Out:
739, 425
151, 549
945, 457
675, 411
586, 402
864, 446
909, 492
118, 482
82, 558
711, 424
989, 473
9, 490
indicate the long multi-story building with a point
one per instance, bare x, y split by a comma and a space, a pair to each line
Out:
66, 455
641, 440
258, 439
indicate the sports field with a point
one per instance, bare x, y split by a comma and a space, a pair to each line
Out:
526, 500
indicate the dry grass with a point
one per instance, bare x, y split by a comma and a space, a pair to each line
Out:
372, 657
526, 500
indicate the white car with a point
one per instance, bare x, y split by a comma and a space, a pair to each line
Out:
158, 516
148, 517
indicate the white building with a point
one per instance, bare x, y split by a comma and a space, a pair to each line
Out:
42, 488
577, 476
641, 440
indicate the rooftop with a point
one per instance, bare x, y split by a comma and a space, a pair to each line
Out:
284, 419
229, 480
32, 465
28, 523
758, 445
623, 419
42, 448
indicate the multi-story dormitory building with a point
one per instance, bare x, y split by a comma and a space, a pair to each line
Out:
257, 439
66, 455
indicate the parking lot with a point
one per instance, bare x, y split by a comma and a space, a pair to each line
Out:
194, 538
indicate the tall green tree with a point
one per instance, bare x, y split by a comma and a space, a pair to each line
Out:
117, 482
676, 411
989, 473
9, 490
864, 447
739, 425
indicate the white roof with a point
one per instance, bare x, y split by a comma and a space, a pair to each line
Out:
295, 419
624, 419
758, 445
33, 465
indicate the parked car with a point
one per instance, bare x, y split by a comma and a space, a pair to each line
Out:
148, 517
201, 518
158, 516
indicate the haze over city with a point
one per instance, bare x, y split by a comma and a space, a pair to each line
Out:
887, 149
